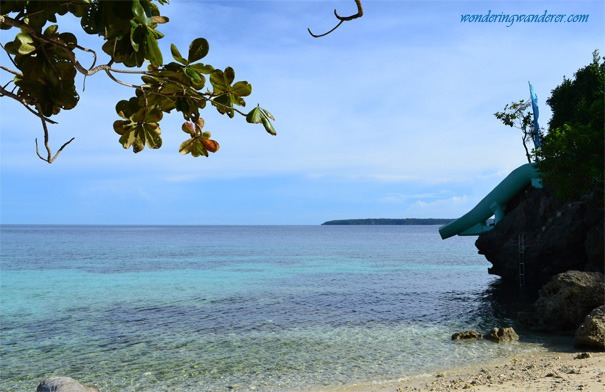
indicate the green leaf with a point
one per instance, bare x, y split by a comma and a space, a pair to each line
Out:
149, 80
268, 126
198, 50
139, 12
203, 68
133, 39
123, 109
139, 115
194, 147
254, 117
154, 115
151, 132
177, 55
26, 46
217, 78
153, 50
170, 88
51, 30
243, 89
260, 115
118, 126
70, 40
13, 47
185, 147
223, 104
194, 75
269, 115
229, 75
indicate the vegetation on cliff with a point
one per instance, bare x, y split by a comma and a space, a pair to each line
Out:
571, 157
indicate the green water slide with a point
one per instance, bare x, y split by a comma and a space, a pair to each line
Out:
474, 222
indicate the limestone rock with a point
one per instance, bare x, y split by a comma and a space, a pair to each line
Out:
502, 335
554, 237
63, 384
567, 298
466, 335
591, 333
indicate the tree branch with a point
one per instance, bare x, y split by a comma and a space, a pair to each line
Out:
8, 21
49, 158
11, 71
341, 19
4, 92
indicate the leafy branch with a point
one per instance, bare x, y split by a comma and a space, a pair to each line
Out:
46, 66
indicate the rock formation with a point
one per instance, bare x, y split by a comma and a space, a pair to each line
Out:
567, 298
555, 249
502, 335
591, 333
547, 235
467, 335
497, 335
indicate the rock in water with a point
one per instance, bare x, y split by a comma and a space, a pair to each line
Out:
63, 384
502, 335
567, 298
466, 335
591, 333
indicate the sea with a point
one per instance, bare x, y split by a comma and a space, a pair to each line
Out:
241, 308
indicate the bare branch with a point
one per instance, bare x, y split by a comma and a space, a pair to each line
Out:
49, 157
341, 19
11, 71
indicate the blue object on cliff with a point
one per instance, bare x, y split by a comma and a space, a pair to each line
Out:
534, 106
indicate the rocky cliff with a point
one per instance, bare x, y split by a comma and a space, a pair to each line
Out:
546, 236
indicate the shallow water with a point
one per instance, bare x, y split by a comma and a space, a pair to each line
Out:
266, 308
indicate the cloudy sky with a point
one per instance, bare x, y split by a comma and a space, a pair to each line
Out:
389, 116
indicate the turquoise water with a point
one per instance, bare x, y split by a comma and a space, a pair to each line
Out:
265, 308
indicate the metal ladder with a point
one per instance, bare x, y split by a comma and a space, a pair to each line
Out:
521, 246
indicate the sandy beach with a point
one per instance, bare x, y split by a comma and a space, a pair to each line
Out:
549, 371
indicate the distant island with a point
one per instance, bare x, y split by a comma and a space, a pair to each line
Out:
386, 221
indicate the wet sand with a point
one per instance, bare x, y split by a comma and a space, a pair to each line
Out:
549, 371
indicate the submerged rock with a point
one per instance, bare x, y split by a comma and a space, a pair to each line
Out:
567, 298
502, 335
466, 335
63, 384
591, 334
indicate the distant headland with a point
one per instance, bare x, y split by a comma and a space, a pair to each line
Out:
387, 221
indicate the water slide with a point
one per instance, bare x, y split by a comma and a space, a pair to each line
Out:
474, 222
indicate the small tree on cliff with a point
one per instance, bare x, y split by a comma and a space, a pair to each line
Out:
571, 156
519, 115
46, 60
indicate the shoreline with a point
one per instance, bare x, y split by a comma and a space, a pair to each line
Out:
542, 371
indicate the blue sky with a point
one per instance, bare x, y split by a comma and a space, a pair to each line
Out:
389, 116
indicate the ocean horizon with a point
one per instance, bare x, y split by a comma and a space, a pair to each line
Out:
263, 308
